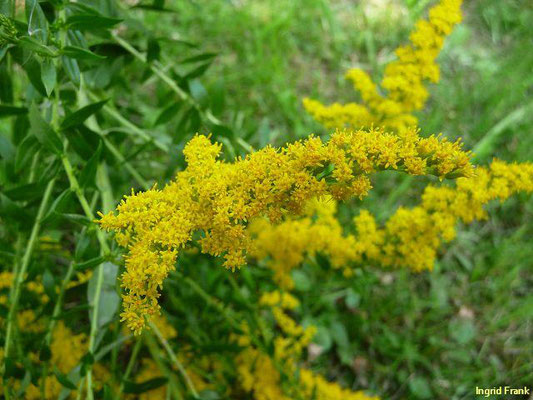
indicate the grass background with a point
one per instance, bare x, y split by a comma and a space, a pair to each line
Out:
432, 335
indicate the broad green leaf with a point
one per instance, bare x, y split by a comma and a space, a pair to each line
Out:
79, 116
48, 75
90, 22
79, 53
109, 299
44, 132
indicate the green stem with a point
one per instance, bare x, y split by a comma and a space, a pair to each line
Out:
132, 127
174, 359
75, 187
173, 386
118, 155
19, 278
130, 365
206, 115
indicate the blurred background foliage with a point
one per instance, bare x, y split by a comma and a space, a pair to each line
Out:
239, 69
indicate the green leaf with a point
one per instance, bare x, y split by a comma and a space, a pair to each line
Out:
48, 75
146, 386
200, 57
25, 152
89, 264
80, 53
90, 22
109, 299
198, 71
88, 174
77, 218
28, 191
33, 70
49, 284
72, 69
79, 116
7, 110
58, 205
37, 24
64, 380
153, 50
168, 113
31, 44
44, 132
86, 361
6, 84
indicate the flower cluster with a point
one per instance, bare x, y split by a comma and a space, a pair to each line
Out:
215, 200
261, 374
403, 80
410, 238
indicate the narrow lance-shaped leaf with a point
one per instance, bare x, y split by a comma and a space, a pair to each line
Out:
90, 22
80, 53
37, 25
79, 116
48, 75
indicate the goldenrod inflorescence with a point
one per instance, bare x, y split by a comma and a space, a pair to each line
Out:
410, 238
403, 80
216, 199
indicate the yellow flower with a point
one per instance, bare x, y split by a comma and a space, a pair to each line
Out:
402, 89
410, 238
217, 199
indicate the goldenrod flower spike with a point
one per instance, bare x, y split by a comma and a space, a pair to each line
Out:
402, 89
410, 238
217, 199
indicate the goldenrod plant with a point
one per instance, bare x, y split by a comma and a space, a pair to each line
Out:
242, 262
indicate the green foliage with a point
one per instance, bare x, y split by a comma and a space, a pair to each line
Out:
100, 97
